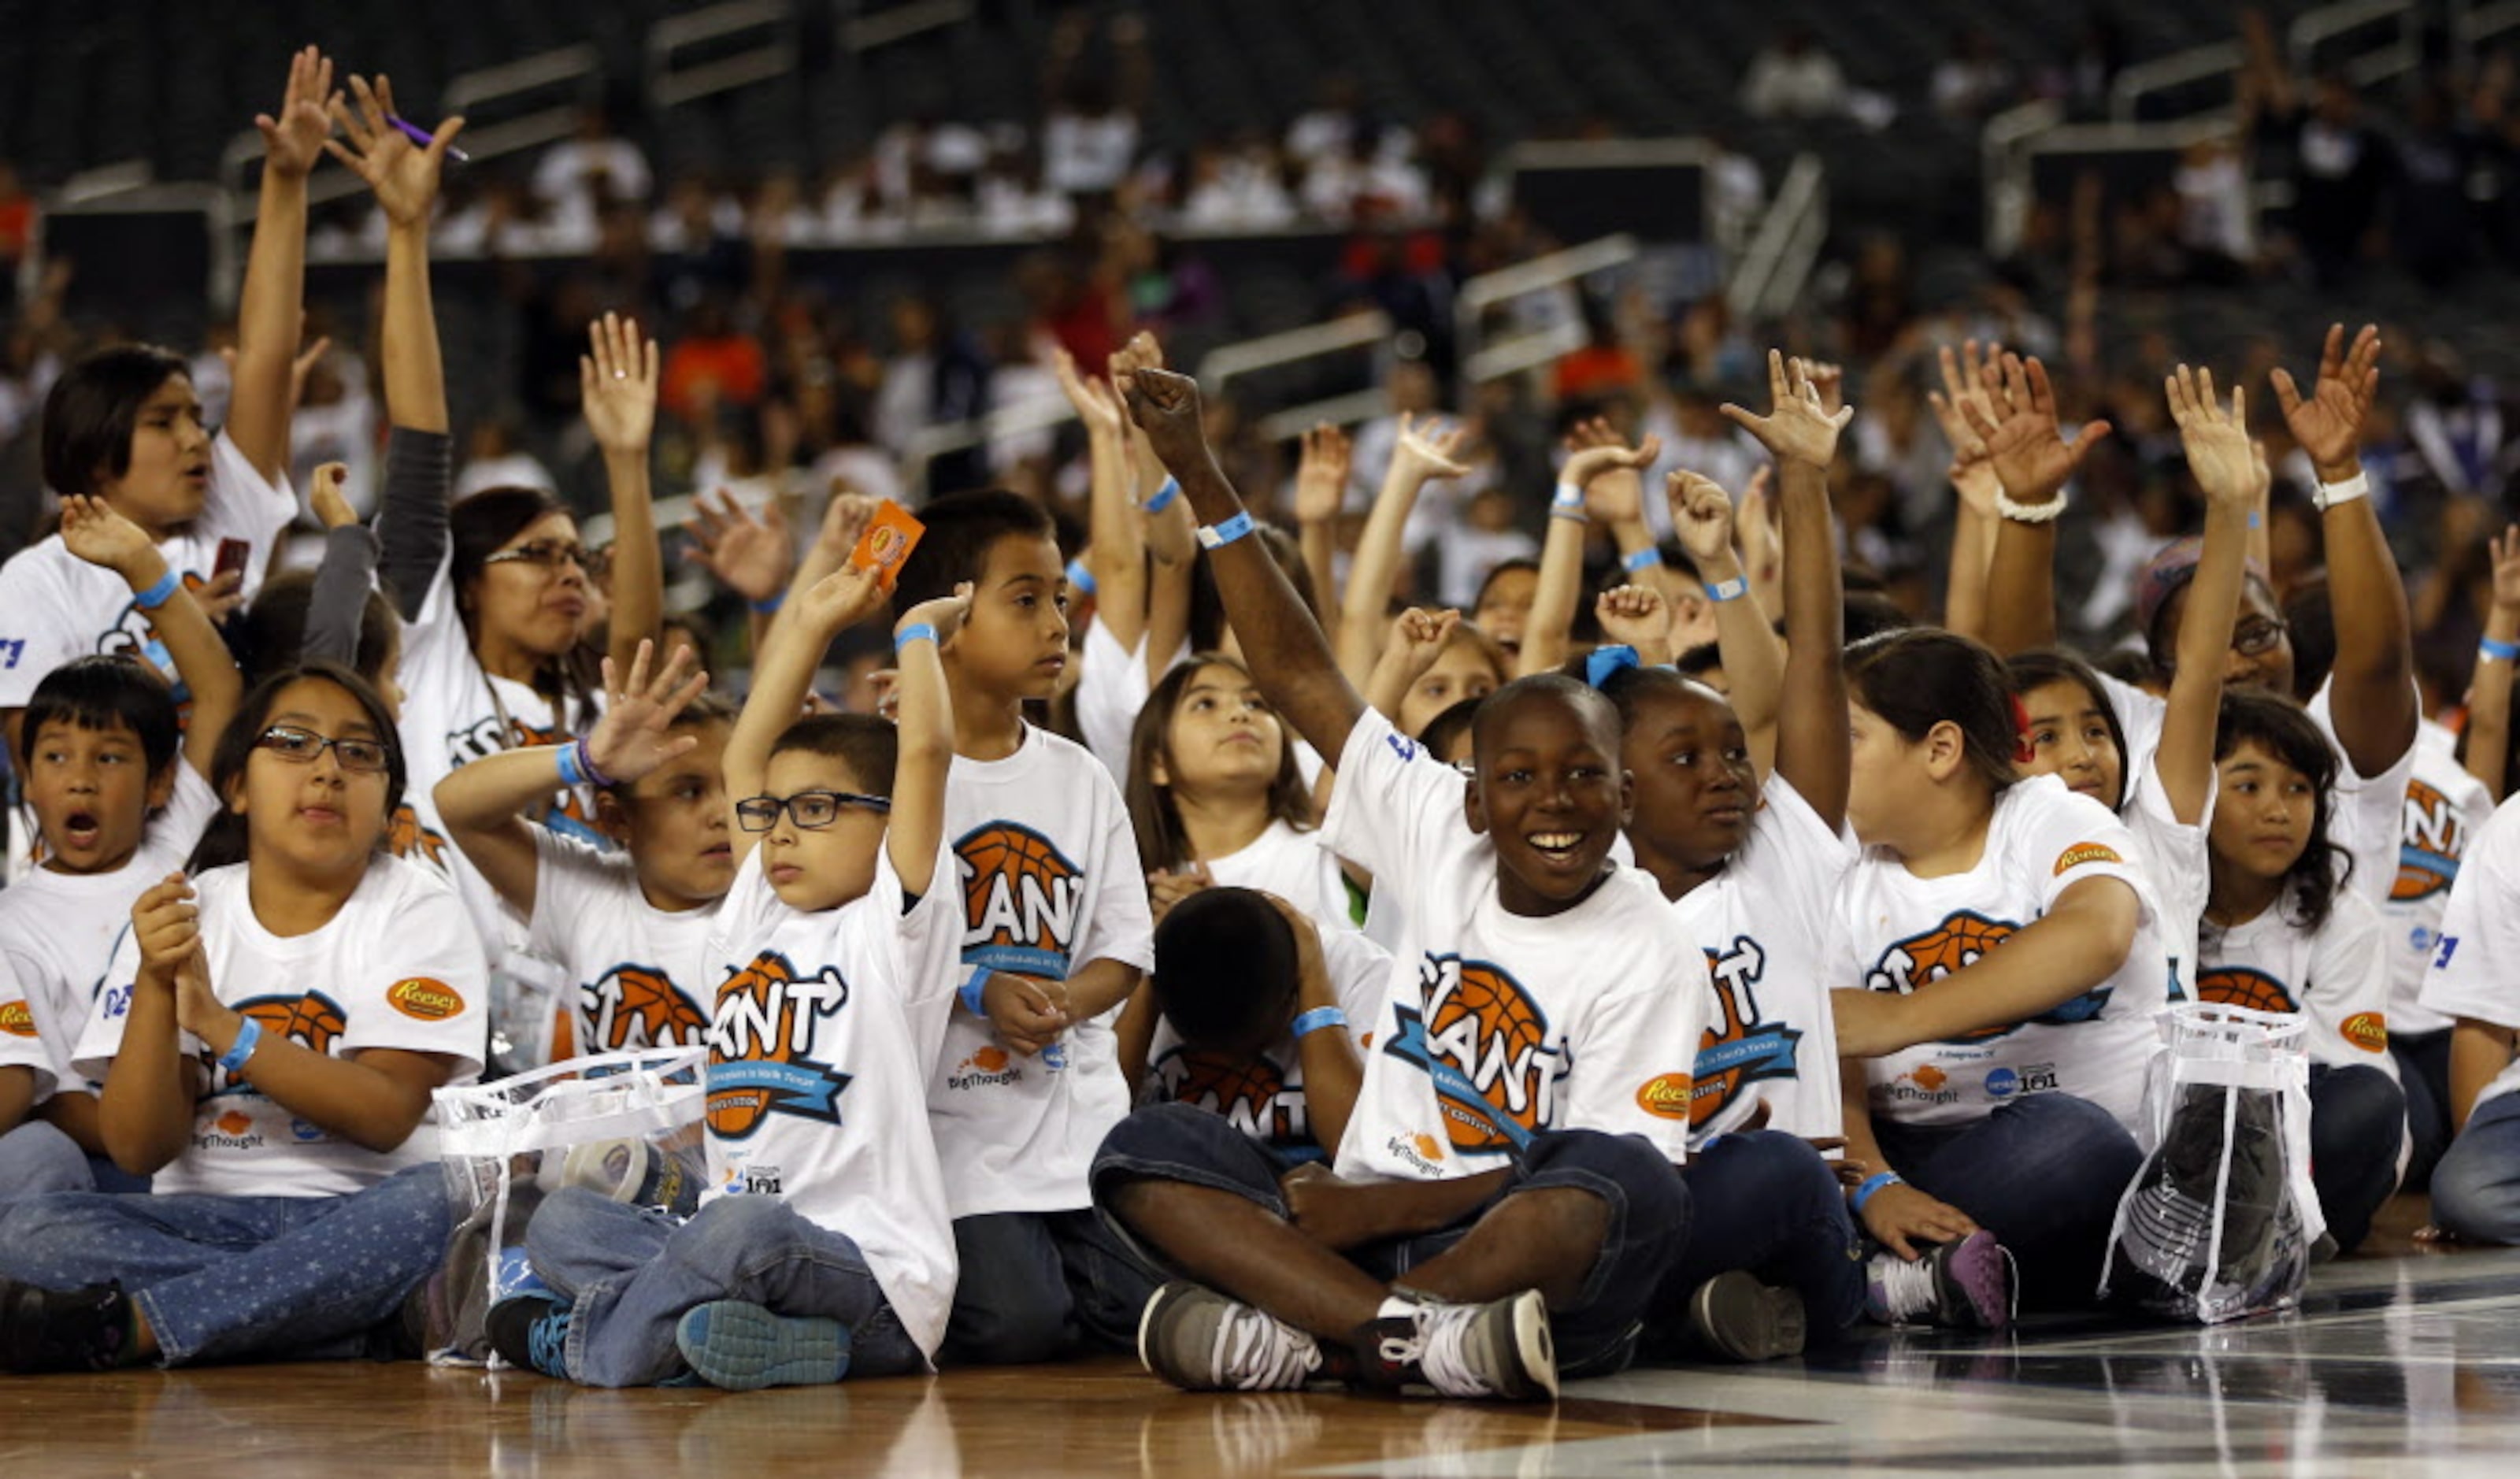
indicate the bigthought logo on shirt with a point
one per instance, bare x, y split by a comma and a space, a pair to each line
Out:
1485, 1043
1251, 1093
634, 1006
1959, 942
1740, 1047
2435, 838
424, 1000
761, 1046
2245, 986
17, 1019
1023, 900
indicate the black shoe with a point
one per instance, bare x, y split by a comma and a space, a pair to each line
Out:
86, 1329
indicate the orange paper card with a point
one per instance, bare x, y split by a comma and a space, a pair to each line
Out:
888, 539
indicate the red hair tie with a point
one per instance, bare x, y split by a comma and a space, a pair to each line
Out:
2023, 751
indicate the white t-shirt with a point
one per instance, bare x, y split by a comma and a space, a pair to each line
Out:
1264, 1096
1294, 866
1763, 924
2475, 967
641, 974
1497, 1026
2336, 978
395, 968
2445, 806
1050, 882
54, 606
819, 1025
1898, 932
58, 934
2178, 859
1111, 688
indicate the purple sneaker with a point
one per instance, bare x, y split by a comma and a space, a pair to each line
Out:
1959, 1286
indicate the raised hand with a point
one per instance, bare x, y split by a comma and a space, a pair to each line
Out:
1611, 473
1971, 474
403, 175
2504, 549
2219, 451
1096, 404
1701, 516
1635, 617
293, 142
94, 532
332, 509
618, 383
635, 737
2023, 440
1417, 638
1321, 476
2329, 424
752, 557
1797, 427
946, 614
1755, 525
845, 519
1166, 407
841, 600
1426, 450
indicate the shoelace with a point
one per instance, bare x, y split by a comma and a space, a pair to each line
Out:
1907, 1288
547, 1343
1443, 1354
1256, 1353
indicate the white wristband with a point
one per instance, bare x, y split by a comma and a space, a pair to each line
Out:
2328, 495
1569, 496
2022, 512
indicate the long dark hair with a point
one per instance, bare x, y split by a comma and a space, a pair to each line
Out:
1919, 676
89, 413
224, 841
1163, 843
479, 526
2033, 670
2284, 730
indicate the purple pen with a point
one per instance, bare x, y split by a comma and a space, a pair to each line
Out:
423, 138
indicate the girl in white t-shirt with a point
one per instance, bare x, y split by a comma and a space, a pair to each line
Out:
268, 1040
1986, 1086
2284, 933
1215, 796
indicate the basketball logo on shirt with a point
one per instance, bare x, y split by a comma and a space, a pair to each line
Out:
1960, 941
761, 1046
1251, 1094
2428, 854
313, 1021
408, 839
2244, 986
635, 1006
17, 1019
1738, 1049
1485, 1043
1021, 901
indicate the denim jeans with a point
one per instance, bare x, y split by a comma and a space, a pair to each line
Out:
2423, 1069
2358, 1122
38, 1160
298, 1278
2476, 1187
2043, 1174
1039, 1286
1766, 1203
1594, 1336
631, 1273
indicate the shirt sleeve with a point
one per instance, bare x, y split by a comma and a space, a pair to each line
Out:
568, 875
427, 988
1395, 806
36, 635
1635, 1056
338, 607
1109, 691
1121, 925
22, 1046
100, 1038
2070, 838
2370, 816
411, 530
243, 503
2476, 968
1360, 976
931, 933
1807, 858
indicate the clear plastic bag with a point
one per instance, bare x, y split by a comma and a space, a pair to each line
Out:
628, 1124
2221, 1221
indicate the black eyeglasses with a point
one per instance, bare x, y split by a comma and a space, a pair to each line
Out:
302, 746
549, 553
2254, 634
812, 809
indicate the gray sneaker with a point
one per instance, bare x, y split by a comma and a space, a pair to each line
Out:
743, 1347
1202, 1341
1498, 1350
1739, 1318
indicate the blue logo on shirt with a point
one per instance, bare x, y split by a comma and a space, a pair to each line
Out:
2001, 1083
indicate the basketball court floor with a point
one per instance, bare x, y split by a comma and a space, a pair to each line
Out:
2405, 1363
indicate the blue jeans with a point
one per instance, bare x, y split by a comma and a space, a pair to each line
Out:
2043, 1174
631, 1273
37, 1161
1765, 1202
1594, 1336
2358, 1119
217, 1277
1037, 1286
2423, 1068
2476, 1187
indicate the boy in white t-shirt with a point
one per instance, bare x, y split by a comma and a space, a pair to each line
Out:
2475, 983
119, 806
824, 1248
1055, 935
1504, 1188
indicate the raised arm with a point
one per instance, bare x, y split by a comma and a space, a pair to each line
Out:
783, 673
2031, 462
1801, 432
2489, 692
1423, 453
270, 317
2373, 704
337, 607
917, 828
2227, 470
1603, 475
1321, 496
1972, 477
100, 536
1754, 659
1417, 638
618, 381
1114, 550
1289, 658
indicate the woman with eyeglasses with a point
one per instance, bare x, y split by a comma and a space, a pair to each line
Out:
268, 1036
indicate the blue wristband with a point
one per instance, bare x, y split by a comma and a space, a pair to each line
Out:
2504, 651
159, 594
1164, 496
571, 773
1874, 1183
916, 630
970, 992
248, 1038
1647, 558
1218, 536
766, 607
1079, 578
1568, 496
1721, 591
1309, 1023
